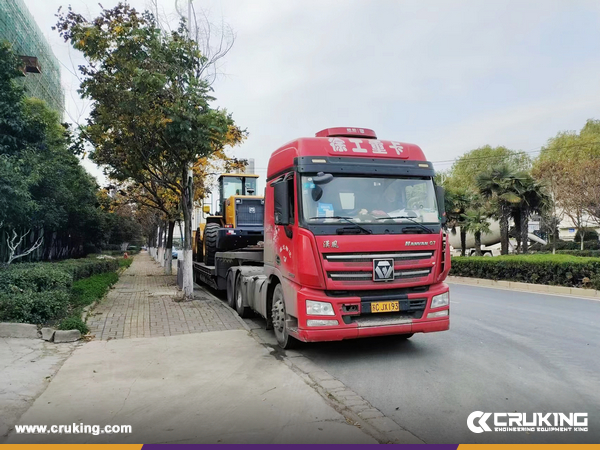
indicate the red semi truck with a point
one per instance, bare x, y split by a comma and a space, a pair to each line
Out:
354, 244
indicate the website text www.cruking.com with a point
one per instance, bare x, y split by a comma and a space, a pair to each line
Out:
479, 422
75, 428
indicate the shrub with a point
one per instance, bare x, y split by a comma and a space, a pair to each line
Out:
589, 234
567, 245
33, 307
562, 270
87, 290
36, 277
73, 323
86, 267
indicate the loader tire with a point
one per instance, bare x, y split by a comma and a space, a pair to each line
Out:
211, 233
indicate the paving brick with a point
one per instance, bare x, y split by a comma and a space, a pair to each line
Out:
142, 304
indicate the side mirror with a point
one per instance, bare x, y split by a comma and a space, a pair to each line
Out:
322, 178
440, 194
280, 198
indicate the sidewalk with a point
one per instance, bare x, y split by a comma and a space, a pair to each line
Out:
141, 305
196, 376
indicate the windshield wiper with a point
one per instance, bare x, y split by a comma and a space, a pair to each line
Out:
346, 219
409, 218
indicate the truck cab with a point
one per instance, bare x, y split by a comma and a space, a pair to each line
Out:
354, 240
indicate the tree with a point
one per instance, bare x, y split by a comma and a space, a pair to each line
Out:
151, 110
48, 206
476, 221
498, 186
533, 199
464, 172
457, 202
570, 165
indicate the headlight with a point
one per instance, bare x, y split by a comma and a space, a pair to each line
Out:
433, 315
321, 323
314, 308
440, 300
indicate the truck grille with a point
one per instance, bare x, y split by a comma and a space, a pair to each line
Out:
368, 257
250, 212
359, 276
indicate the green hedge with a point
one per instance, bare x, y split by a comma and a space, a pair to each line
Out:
86, 267
34, 277
42, 292
584, 253
558, 270
33, 307
566, 245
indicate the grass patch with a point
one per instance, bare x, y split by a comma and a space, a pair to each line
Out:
88, 290
74, 323
125, 263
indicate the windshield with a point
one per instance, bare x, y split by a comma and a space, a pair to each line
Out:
234, 186
369, 200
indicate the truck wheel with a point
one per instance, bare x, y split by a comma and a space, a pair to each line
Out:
231, 289
211, 232
279, 317
243, 311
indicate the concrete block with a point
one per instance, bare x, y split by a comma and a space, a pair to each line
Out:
485, 282
583, 292
48, 334
331, 384
502, 283
519, 285
384, 424
560, 290
66, 336
370, 414
18, 330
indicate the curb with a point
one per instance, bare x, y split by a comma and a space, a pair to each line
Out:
588, 294
355, 409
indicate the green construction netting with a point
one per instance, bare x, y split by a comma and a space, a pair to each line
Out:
18, 27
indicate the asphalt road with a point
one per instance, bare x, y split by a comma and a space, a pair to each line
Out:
506, 351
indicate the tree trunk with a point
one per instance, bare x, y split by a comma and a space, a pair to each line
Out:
463, 241
163, 256
160, 244
504, 212
582, 234
169, 252
478, 243
525, 230
188, 206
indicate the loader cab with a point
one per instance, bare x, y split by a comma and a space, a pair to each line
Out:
234, 184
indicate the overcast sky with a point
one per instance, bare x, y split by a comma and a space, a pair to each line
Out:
449, 76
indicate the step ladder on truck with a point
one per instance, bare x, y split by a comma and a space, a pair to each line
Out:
353, 245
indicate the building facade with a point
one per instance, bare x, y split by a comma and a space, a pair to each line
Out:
42, 78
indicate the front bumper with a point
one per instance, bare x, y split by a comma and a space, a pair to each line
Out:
362, 323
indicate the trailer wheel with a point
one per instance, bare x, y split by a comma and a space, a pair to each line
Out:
231, 289
211, 232
279, 317
242, 310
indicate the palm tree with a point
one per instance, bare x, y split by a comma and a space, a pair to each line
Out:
476, 221
457, 201
534, 199
498, 186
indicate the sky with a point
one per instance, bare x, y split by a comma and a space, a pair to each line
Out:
449, 76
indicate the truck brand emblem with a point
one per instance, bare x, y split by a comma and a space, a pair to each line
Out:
383, 269
252, 210
410, 243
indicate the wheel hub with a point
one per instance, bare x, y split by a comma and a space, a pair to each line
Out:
278, 316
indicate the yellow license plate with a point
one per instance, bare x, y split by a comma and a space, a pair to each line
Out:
380, 307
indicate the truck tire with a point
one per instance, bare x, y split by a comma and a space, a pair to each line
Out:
279, 318
231, 289
211, 232
243, 311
